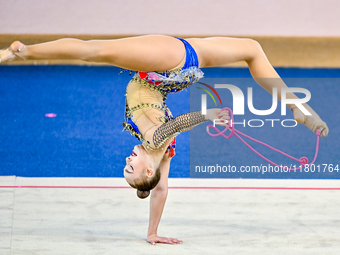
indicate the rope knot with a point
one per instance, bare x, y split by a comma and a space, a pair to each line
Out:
318, 132
303, 161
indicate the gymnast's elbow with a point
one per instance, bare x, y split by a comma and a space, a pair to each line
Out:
161, 188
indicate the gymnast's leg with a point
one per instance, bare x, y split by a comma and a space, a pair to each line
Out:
221, 51
142, 53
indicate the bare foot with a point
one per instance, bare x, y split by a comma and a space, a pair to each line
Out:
313, 122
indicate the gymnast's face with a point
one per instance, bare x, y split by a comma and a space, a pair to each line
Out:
137, 165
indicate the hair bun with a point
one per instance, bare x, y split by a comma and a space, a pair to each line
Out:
143, 193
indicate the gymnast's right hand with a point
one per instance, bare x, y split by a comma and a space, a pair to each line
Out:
218, 114
153, 239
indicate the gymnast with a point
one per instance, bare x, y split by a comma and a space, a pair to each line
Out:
163, 65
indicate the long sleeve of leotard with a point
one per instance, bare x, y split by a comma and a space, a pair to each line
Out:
177, 125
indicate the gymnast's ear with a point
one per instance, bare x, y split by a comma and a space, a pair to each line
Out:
143, 193
149, 172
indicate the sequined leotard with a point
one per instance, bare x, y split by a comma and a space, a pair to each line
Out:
146, 96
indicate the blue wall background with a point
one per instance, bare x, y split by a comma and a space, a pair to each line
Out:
85, 139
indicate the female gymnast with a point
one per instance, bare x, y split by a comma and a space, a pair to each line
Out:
163, 65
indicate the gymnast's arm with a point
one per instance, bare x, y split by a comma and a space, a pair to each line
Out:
159, 193
157, 202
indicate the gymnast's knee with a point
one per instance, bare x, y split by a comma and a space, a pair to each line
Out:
254, 48
253, 43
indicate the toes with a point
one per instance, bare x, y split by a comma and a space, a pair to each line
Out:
6, 55
323, 128
324, 131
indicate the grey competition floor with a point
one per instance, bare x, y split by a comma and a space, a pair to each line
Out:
209, 221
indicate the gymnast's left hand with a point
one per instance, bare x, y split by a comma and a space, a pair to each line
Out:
218, 114
153, 239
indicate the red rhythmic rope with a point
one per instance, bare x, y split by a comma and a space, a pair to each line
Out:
303, 160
